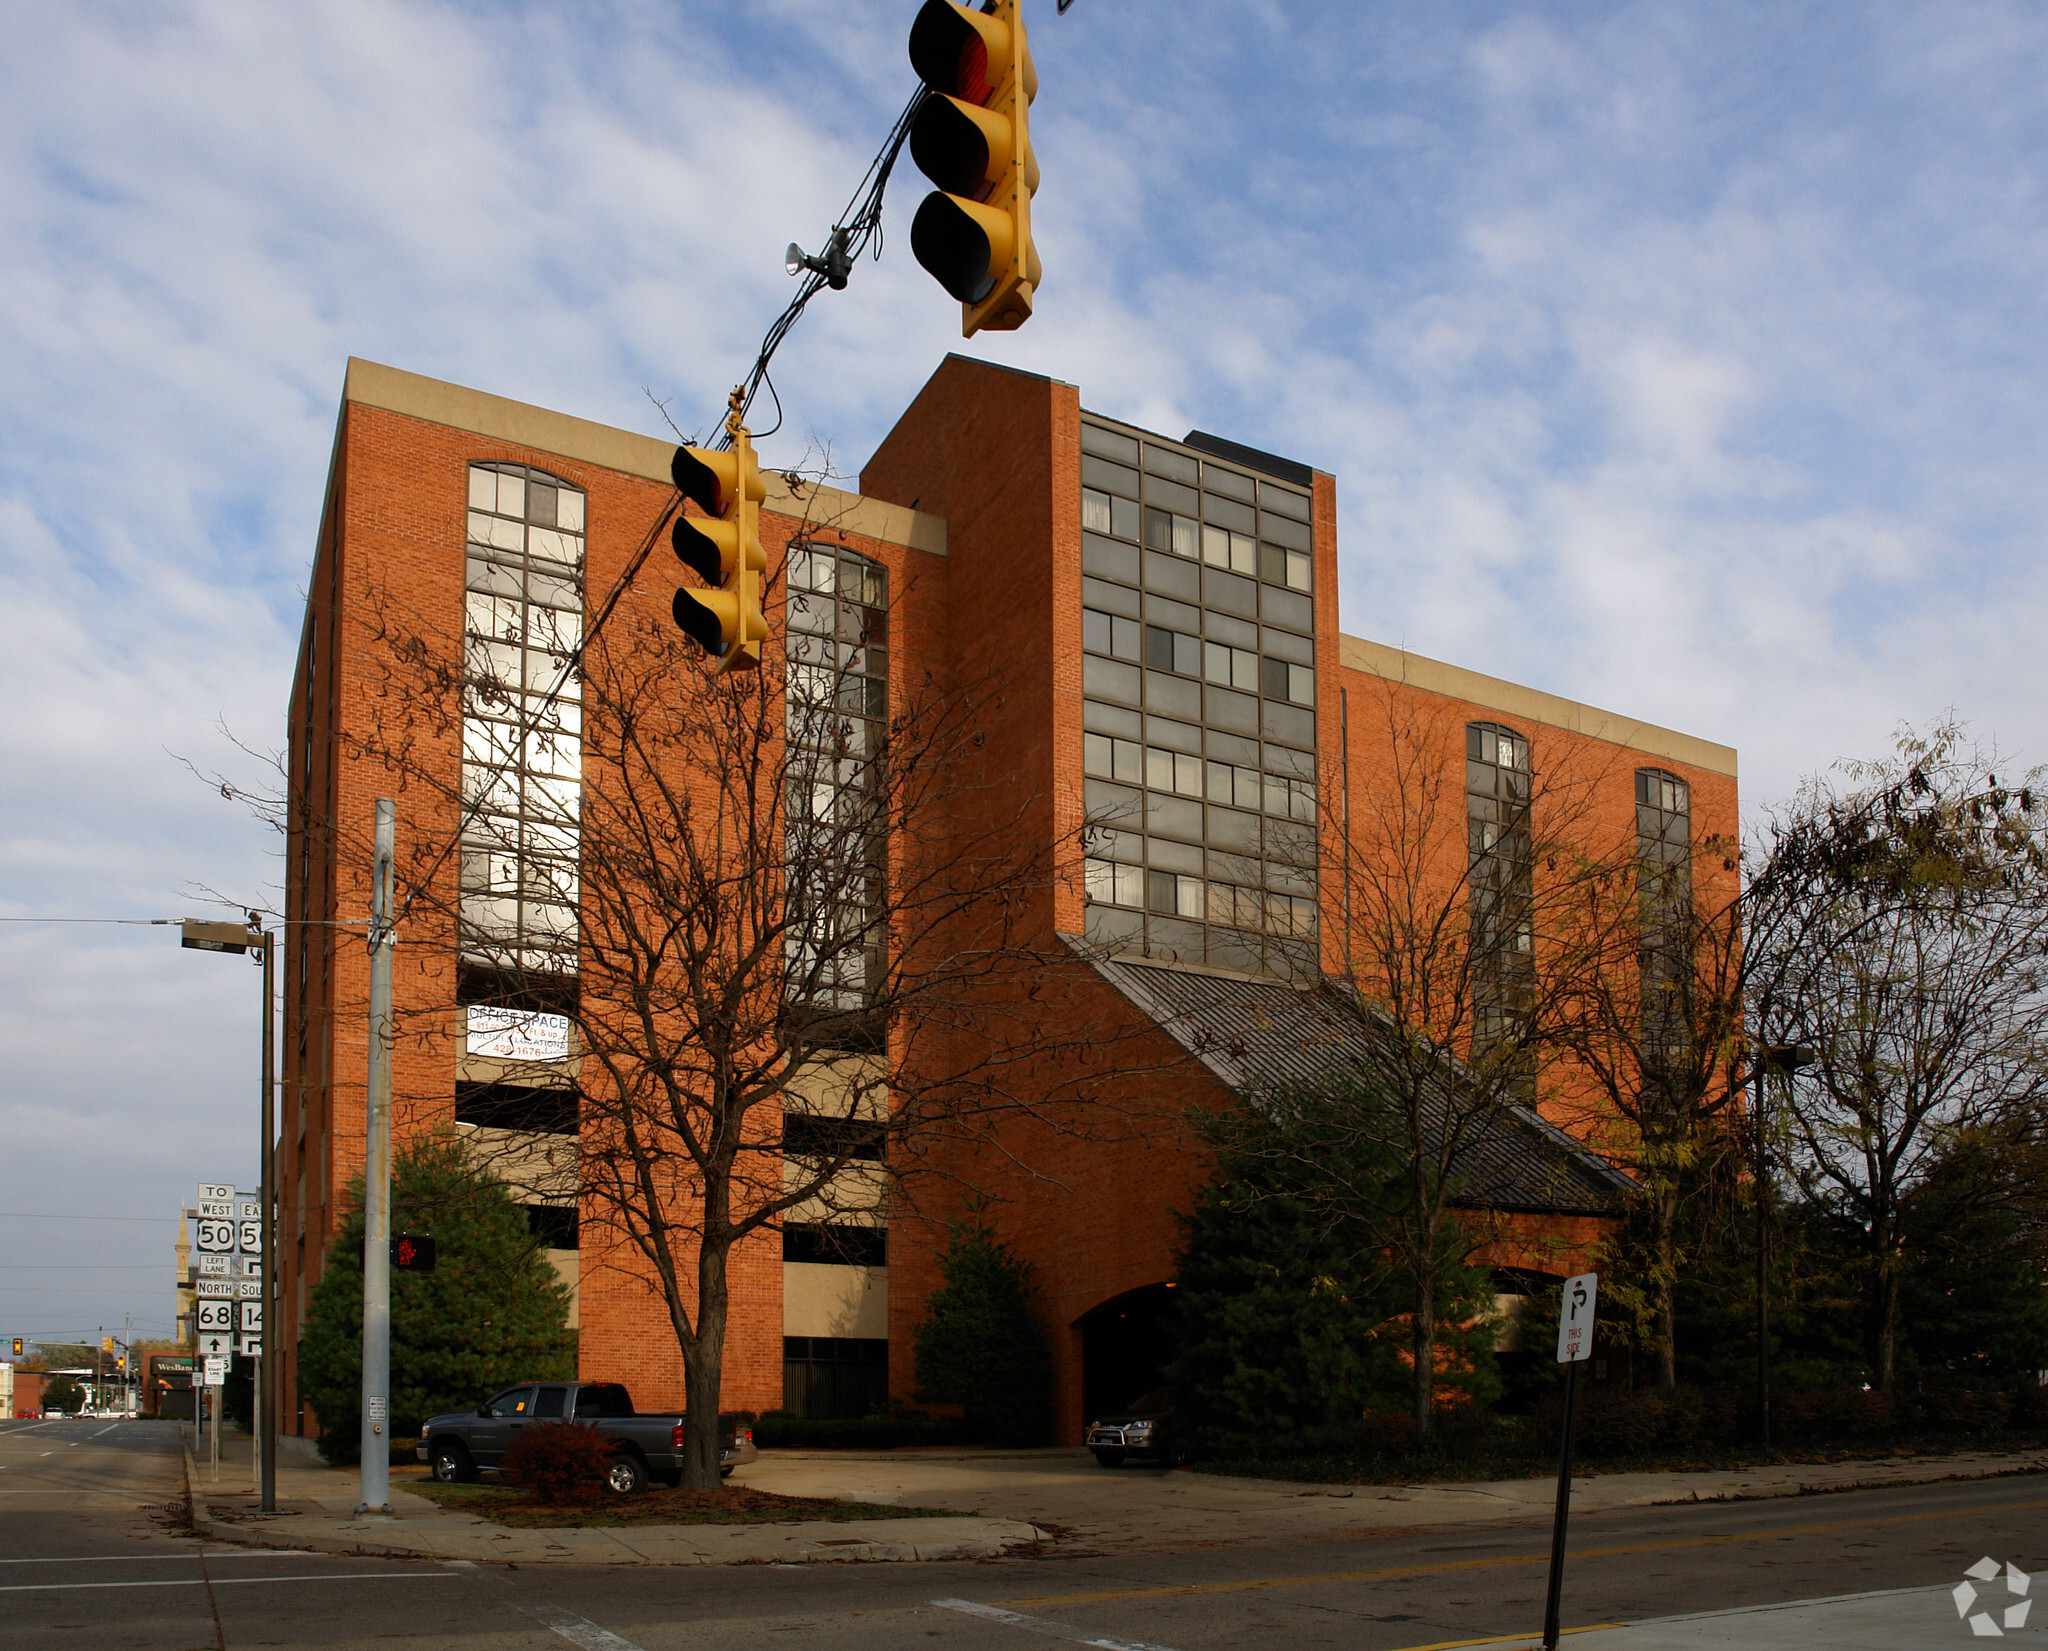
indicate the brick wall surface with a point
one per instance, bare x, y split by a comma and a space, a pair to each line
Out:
1083, 1181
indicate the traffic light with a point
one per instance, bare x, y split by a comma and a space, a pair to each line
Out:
17, 1347
412, 1253
972, 137
723, 548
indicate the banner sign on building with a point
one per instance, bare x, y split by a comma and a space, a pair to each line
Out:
517, 1034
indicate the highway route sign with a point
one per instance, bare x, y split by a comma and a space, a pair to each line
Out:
216, 1234
216, 1344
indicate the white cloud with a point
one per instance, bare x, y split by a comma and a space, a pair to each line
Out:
1683, 358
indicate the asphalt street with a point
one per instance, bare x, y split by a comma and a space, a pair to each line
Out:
93, 1553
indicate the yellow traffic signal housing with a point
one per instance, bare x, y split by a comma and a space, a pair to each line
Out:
723, 548
972, 137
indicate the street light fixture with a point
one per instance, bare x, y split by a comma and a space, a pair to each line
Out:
233, 937
1783, 1058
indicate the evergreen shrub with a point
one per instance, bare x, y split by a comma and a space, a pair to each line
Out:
493, 1311
982, 1345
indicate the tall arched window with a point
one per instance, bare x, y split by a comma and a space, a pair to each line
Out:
1663, 822
837, 643
1500, 874
522, 621
1664, 894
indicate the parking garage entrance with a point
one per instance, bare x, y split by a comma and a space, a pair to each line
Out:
1126, 1344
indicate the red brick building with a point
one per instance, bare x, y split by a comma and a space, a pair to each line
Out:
1179, 706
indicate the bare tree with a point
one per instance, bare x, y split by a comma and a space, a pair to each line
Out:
1912, 956
1653, 1018
797, 920
1461, 871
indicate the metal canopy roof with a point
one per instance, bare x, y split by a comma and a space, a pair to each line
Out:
1255, 1034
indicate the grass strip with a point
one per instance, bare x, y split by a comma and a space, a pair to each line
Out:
731, 1505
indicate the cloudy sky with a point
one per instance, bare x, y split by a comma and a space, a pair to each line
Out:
1682, 358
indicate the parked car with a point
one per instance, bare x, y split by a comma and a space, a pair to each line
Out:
1141, 1430
466, 1443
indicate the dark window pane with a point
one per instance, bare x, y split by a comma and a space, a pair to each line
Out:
1159, 891
548, 1406
1109, 444
1158, 529
535, 1108
843, 1243
554, 1226
806, 1136
1158, 648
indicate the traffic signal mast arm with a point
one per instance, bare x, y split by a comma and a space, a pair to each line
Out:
972, 137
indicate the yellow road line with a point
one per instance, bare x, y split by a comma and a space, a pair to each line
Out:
1511, 1639
1498, 1560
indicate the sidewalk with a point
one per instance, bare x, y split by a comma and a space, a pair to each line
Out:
1130, 1508
316, 1512
1000, 1500
1902, 1619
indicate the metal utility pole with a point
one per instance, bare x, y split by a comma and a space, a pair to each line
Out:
266, 1366
374, 1495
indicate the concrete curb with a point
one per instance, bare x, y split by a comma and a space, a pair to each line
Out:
420, 1529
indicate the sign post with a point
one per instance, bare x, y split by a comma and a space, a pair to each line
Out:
215, 1372
228, 1281
1574, 1346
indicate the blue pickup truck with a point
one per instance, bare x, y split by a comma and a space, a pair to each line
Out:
466, 1443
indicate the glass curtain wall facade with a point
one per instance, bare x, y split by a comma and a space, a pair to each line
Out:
1199, 711
521, 790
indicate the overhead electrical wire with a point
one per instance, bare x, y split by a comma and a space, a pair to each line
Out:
859, 227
